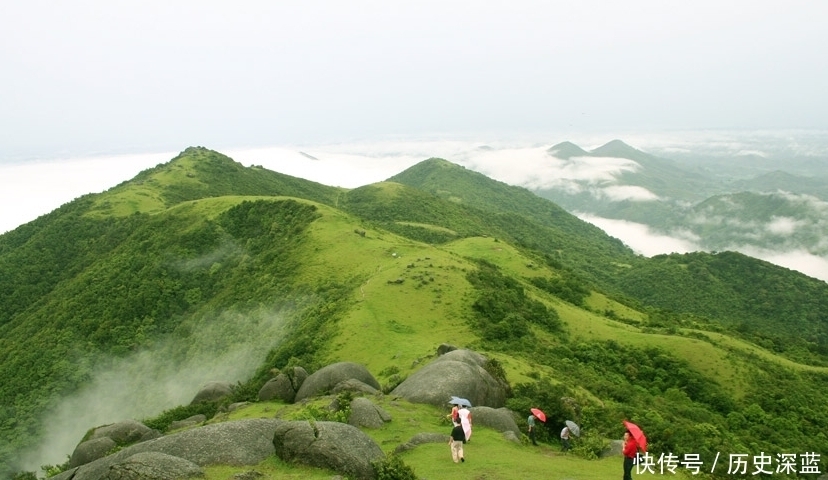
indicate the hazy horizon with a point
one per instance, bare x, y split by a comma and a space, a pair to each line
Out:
36, 188
91, 77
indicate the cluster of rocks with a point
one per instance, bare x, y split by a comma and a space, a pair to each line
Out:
343, 448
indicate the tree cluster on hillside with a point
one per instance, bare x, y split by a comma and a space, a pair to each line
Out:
779, 309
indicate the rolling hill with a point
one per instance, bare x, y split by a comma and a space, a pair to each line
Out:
208, 270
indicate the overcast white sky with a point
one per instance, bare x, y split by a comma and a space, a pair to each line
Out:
95, 76
92, 92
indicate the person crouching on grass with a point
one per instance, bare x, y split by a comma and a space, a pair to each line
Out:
458, 436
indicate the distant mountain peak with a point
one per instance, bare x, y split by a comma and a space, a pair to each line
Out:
566, 150
617, 148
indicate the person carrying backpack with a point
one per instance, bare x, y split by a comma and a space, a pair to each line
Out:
456, 440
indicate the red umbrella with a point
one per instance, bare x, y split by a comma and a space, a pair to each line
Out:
538, 413
637, 434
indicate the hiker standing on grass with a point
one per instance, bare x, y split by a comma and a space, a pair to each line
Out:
466, 421
630, 452
531, 422
456, 439
565, 445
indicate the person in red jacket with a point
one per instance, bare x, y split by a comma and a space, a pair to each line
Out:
630, 451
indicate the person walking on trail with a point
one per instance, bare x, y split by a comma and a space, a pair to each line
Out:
565, 445
465, 421
630, 451
456, 439
531, 422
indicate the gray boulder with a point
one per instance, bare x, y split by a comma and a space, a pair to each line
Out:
365, 414
444, 348
91, 450
420, 439
237, 406
284, 386
336, 446
212, 392
188, 422
354, 385
242, 442
325, 379
65, 475
279, 388
297, 375
459, 373
500, 419
154, 466
125, 432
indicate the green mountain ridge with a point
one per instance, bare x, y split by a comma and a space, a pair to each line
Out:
384, 273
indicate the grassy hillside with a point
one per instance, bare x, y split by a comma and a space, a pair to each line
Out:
519, 216
726, 295
295, 273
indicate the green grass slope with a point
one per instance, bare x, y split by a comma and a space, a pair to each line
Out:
198, 173
519, 216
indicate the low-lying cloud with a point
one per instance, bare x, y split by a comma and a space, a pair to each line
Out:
29, 190
783, 226
641, 238
618, 193
226, 347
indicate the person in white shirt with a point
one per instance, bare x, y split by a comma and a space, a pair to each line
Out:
565, 445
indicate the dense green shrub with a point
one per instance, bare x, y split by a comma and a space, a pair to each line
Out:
162, 422
566, 287
393, 468
503, 310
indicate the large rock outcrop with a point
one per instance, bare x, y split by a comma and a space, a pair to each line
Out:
105, 438
91, 450
284, 386
213, 392
242, 442
336, 446
456, 373
365, 414
154, 466
125, 432
326, 379
500, 419
420, 439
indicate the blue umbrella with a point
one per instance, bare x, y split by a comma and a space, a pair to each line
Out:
459, 401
